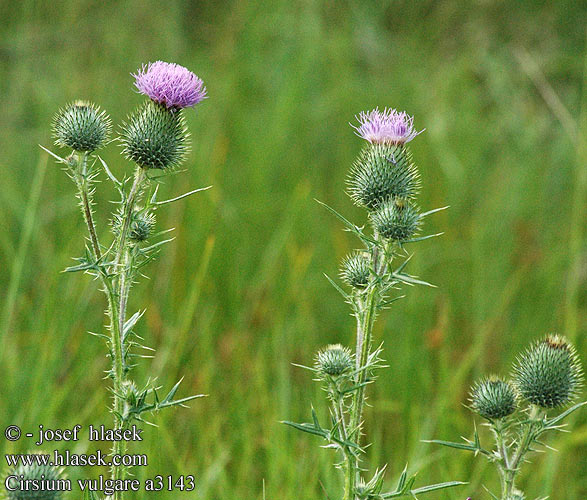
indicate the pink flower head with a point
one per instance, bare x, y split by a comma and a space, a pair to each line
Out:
386, 127
170, 84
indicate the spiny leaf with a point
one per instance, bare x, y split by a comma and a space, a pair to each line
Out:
338, 288
58, 158
185, 195
131, 322
110, 175
422, 238
305, 427
450, 444
433, 211
350, 226
406, 278
553, 421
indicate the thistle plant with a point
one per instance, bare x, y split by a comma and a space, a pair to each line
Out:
545, 380
155, 139
46, 476
384, 180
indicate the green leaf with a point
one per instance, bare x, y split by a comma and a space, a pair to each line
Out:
410, 280
433, 211
131, 322
111, 176
350, 226
407, 492
422, 238
450, 444
305, 427
156, 245
90, 495
338, 288
438, 486
181, 196
401, 484
58, 158
554, 421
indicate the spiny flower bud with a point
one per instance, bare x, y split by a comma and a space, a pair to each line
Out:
334, 360
43, 475
155, 137
81, 126
356, 269
140, 228
381, 172
549, 373
396, 219
493, 398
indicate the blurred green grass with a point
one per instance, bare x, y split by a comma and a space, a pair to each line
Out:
240, 294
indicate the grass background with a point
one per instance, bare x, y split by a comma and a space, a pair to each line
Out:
239, 296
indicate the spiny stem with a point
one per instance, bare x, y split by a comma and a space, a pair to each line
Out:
365, 321
117, 307
85, 199
510, 471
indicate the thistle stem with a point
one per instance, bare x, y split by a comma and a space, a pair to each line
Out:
86, 202
365, 321
509, 471
117, 306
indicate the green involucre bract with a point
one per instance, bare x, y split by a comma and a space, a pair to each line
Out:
356, 269
334, 360
381, 172
396, 219
34, 474
155, 137
493, 398
549, 373
81, 126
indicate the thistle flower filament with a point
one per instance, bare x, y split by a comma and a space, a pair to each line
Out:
386, 127
170, 84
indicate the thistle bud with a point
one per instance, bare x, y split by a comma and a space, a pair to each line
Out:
356, 269
335, 360
140, 228
155, 136
549, 373
493, 398
81, 126
381, 172
42, 475
396, 219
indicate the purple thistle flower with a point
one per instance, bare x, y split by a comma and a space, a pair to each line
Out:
386, 127
170, 84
